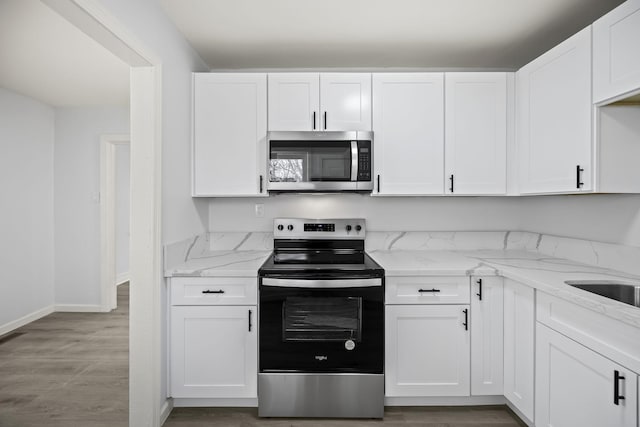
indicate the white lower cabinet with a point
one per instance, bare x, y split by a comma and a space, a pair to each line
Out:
519, 330
213, 348
576, 386
486, 336
427, 350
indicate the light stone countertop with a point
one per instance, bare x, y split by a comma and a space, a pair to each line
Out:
221, 264
542, 272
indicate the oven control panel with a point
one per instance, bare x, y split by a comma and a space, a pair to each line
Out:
335, 228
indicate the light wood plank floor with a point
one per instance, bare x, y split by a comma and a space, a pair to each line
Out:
72, 370
68, 370
476, 416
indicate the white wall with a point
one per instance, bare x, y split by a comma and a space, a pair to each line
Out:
382, 213
610, 218
601, 217
77, 200
26, 201
122, 211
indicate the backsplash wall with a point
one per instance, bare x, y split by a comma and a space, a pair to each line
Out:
381, 213
601, 217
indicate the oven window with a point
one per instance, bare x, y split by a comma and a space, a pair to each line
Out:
308, 162
322, 319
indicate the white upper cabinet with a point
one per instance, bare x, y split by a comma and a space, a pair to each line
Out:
345, 101
294, 101
408, 128
229, 134
319, 101
616, 56
476, 133
554, 117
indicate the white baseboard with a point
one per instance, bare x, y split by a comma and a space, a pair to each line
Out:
15, 324
122, 279
80, 308
249, 402
165, 411
519, 414
445, 401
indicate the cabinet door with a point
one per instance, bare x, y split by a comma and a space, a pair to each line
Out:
294, 101
345, 101
575, 386
408, 127
427, 351
476, 133
519, 324
229, 134
554, 109
616, 57
487, 336
214, 351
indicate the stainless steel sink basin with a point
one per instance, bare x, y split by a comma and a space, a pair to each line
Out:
628, 293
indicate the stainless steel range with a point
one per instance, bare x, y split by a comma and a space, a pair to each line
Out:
321, 332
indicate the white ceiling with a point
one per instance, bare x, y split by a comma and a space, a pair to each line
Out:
232, 34
46, 58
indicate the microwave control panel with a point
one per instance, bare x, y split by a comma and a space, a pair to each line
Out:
364, 160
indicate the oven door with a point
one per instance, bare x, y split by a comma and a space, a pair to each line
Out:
334, 325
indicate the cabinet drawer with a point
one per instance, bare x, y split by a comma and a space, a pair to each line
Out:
214, 291
427, 290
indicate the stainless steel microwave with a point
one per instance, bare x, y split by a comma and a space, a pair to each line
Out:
320, 161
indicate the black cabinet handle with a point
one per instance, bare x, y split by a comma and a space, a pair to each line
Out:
466, 319
616, 387
261, 179
451, 187
219, 291
479, 282
325, 120
314, 120
434, 290
378, 183
249, 320
579, 171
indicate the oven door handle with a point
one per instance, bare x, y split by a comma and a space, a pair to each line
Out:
321, 283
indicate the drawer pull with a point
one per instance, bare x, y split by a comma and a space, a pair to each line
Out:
616, 387
428, 290
208, 291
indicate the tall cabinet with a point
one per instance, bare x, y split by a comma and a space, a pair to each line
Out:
554, 117
229, 134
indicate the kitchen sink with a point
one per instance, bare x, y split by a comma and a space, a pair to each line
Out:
628, 293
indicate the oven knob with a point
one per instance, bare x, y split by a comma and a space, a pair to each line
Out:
348, 228
280, 227
290, 227
358, 227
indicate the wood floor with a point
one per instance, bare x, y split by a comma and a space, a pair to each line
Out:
72, 370
477, 416
68, 370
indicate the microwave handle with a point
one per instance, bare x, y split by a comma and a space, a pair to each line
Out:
354, 161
